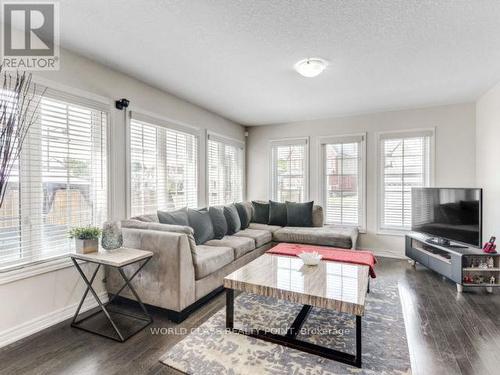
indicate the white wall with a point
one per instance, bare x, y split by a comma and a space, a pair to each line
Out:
38, 301
455, 154
488, 158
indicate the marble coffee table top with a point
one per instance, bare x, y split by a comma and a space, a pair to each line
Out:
332, 285
115, 258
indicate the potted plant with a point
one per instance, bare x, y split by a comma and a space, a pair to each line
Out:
86, 239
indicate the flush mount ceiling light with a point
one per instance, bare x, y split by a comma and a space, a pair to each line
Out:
311, 67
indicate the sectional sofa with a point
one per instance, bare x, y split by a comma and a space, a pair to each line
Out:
183, 275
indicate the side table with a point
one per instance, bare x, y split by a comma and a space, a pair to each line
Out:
118, 259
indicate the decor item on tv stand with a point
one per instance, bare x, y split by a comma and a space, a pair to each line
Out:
86, 239
112, 237
490, 247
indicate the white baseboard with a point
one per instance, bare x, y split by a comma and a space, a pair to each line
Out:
35, 325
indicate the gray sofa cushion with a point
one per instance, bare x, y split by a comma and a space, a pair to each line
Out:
318, 216
261, 237
178, 217
240, 245
324, 236
201, 223
270, 228
218, 221
277, 213
243, 214
208, 259
299, 214
232, 219
260, 212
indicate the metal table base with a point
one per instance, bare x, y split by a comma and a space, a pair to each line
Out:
105, 307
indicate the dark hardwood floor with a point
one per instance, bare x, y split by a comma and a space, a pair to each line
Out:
448, 333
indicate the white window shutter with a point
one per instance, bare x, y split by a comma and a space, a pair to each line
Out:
59, 182
405, 163
225, 171
289, 168
163, 168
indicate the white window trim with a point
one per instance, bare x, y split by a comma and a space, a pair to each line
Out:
210, 135
379, 179
160, 121
324, 140
286, 142
41, 266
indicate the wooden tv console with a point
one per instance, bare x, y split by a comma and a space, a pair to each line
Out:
455, 263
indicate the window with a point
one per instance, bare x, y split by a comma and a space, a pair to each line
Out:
60, 180
289, 170
405, 162
343, 184
225, 170
163, 167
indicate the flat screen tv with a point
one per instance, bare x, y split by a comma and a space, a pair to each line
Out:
448, 213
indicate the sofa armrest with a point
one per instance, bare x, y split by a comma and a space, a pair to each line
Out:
167, 280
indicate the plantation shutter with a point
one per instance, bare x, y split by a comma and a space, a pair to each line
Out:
59, 182
289, 168
405, 163
225, 171
343, 180
163, 168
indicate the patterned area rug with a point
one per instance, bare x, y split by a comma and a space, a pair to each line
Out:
211, 350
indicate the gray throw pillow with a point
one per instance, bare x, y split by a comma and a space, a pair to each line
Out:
243, 214
260, 212
202, 226
299, 214
277, 213
218, 221
232, 219
178, 217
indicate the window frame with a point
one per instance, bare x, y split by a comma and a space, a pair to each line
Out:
56, 91
289, 142
409, 133
158, 121
335, 139
213, 136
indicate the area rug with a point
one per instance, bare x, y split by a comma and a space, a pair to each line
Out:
211, 350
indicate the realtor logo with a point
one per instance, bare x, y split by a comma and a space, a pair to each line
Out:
30, 36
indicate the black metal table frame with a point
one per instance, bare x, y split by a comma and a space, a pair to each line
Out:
290, 338
105, 307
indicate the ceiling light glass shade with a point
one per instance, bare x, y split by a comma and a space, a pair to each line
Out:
311, 67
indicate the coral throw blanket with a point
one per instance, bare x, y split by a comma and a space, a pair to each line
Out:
329, 253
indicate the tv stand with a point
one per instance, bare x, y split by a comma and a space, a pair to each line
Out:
466, 266
444, 242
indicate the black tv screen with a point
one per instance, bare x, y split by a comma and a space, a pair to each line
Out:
453, 214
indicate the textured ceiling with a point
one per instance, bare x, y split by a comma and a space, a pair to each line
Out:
236, 58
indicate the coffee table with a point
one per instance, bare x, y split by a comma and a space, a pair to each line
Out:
331, 285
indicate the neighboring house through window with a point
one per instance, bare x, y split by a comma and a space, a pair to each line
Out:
343, 179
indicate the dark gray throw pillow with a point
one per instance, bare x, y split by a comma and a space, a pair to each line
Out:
260, 212
299, 214
178, 217
232, 219
202, 226
277, 213
218, 221
243, 214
